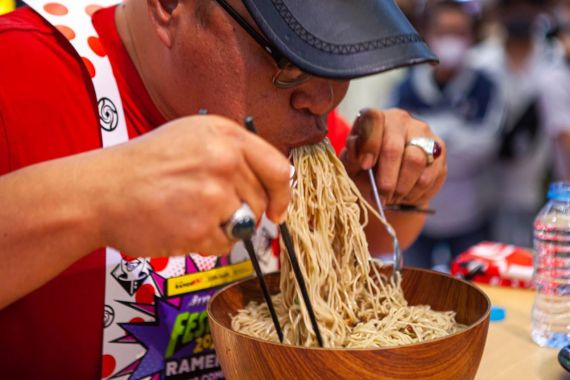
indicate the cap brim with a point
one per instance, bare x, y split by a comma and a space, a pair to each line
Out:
341, 39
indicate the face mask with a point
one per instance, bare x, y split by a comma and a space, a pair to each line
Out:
450, 50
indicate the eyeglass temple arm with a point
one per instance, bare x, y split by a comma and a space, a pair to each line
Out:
262, 41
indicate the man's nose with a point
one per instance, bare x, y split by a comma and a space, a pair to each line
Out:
319, 95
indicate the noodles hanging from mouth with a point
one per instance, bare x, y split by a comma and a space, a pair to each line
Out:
355, 305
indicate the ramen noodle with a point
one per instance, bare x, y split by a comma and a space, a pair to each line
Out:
355, 305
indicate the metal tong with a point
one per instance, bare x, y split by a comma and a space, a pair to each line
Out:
398, 260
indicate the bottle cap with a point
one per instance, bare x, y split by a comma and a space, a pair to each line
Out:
559, 191
498, 314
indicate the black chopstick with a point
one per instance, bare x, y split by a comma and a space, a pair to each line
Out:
293, 258
250, 125
262, 284
300, 279
251, 252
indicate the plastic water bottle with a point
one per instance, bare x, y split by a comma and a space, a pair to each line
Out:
551, 310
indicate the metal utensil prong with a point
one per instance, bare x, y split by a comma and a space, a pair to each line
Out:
398, 260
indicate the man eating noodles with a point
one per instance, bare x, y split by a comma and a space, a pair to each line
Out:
102, 144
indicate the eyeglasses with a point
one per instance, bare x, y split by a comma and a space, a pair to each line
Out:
287, 75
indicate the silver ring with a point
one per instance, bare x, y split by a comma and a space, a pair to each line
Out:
429, 146
241, 225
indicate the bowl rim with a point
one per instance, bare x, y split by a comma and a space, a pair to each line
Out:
479, 321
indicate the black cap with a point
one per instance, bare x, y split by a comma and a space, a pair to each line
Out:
341, 39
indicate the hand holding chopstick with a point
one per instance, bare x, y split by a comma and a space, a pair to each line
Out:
243, 229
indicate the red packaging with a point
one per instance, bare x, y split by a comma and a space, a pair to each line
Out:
495, 264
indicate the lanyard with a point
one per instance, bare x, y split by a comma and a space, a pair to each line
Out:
73, 19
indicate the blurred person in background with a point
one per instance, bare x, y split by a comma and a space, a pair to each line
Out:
375, 90
464, 107
554, 95
518, 57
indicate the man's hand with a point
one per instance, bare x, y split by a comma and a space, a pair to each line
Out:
168, 192
378, 140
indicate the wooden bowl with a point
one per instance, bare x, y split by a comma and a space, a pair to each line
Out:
453, 357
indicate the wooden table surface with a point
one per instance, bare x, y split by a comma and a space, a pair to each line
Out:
510, 353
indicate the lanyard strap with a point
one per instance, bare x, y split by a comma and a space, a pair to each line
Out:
73, 20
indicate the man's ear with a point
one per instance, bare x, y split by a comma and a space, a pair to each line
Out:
161, 15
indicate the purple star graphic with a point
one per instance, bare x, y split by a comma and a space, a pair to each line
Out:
155, 336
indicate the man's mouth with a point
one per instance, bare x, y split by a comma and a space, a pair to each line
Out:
313, 133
